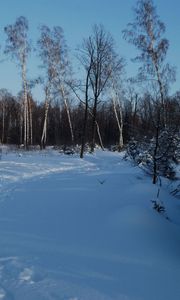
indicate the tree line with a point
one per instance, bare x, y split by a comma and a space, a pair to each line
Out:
103, 106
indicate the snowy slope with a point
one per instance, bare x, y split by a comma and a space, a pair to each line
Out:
77, 229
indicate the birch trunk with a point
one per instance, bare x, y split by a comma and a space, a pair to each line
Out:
68, 112
119, 120
21, 123
30, 121
44, 132
99, 135
3, 122
26, 119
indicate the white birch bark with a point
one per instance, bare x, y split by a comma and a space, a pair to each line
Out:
44, 131
30, 121
3, 122
68, 112
26, 119
119, 121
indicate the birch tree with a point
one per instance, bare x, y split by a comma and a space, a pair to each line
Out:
117, 107
18, 47
117, 95
146, 33
63, 72
45, 46
53, 52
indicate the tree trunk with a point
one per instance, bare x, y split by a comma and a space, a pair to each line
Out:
161, 95
3, 122
27, 121
21, 124
30, 121
44, 132
26, 125
84, 131
155, 168
99, 135
94, 124
119, 121
68, 113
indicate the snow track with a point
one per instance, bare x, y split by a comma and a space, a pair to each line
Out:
75, 229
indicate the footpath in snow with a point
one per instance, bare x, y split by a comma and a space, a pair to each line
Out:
84, 229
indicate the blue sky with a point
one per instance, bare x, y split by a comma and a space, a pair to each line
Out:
76, 17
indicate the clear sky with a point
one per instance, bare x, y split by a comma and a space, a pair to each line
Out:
76, 17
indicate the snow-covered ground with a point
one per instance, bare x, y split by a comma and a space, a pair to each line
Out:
75, 229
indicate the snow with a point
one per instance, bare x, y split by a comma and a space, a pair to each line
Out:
85, 229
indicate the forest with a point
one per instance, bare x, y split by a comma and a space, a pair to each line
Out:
103, 107
90, 167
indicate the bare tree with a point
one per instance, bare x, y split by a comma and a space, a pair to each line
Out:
53, 51
18, 46
45, 46
87, 110
84, 131
116, 95
63, 73
146, 32
97, 54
